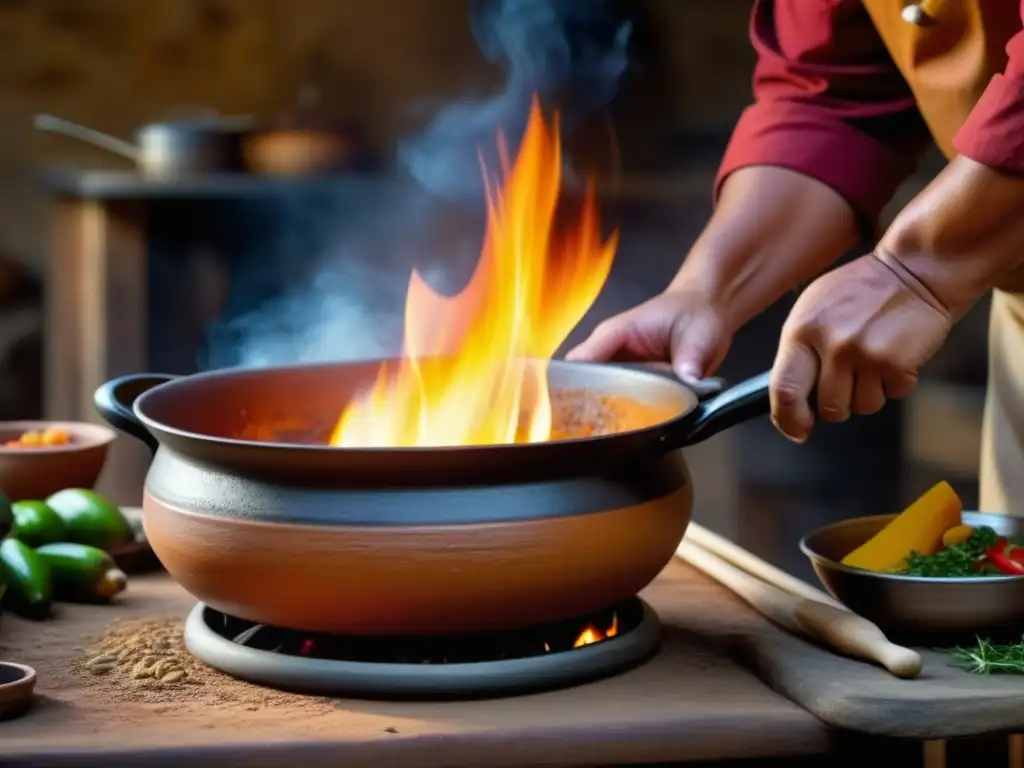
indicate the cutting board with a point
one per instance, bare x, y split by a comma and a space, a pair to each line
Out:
943, 702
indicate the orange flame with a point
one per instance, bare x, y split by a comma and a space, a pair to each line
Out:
592, 634
529, 290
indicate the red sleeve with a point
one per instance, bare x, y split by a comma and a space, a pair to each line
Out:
829, 103
994, 132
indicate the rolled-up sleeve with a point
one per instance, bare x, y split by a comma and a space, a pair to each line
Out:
993, 134
829, 103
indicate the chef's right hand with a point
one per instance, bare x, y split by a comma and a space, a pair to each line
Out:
680, 327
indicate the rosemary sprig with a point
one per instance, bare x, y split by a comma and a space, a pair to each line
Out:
988, 658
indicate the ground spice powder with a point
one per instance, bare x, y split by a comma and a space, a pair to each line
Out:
145, 661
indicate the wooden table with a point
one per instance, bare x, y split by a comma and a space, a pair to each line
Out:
692, 702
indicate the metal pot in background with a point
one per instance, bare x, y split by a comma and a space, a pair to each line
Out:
230, 145
203, 145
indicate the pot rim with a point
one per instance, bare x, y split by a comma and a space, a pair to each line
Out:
653, 377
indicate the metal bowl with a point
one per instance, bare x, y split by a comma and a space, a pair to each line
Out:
914, 609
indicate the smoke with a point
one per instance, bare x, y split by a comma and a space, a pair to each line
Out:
348, 302
569, 51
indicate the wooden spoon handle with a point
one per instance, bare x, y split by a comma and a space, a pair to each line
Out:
747, 561
855, 636
837, 628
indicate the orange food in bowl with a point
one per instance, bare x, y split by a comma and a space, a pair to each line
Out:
919, 528
958, 534
36, 438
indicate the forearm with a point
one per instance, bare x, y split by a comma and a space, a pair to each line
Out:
772, 230
833, 131
963, 234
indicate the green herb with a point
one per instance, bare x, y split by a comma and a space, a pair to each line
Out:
954, 561
988, 658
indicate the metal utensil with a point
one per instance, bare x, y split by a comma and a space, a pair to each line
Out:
834, 627
203, 145
919, 610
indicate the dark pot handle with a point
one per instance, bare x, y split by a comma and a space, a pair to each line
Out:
114, 401
743, 402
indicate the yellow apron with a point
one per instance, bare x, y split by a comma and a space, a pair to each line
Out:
947, 61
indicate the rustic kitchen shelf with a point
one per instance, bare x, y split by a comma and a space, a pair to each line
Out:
113, 185
109, 185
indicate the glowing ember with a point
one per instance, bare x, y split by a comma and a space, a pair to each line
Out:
592, 634
529, 290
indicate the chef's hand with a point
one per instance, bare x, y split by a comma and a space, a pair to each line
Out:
679, 327
860, 333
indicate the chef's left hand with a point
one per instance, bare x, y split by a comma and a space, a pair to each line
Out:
859, 334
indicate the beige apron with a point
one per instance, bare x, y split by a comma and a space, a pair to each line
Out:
947, 62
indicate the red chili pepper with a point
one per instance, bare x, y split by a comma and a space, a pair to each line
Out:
1006, 564
1012, 551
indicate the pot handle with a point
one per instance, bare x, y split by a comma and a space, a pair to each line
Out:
743, 402
88, 135
114, 401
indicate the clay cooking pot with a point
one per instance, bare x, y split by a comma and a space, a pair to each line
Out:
254, 514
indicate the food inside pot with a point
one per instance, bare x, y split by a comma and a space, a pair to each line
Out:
930, 539
575, 414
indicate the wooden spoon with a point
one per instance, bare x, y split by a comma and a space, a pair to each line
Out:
837, 628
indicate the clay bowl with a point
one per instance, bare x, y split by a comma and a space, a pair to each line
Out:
17, 682
300, 151
914, 609
35, 473
254, 514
